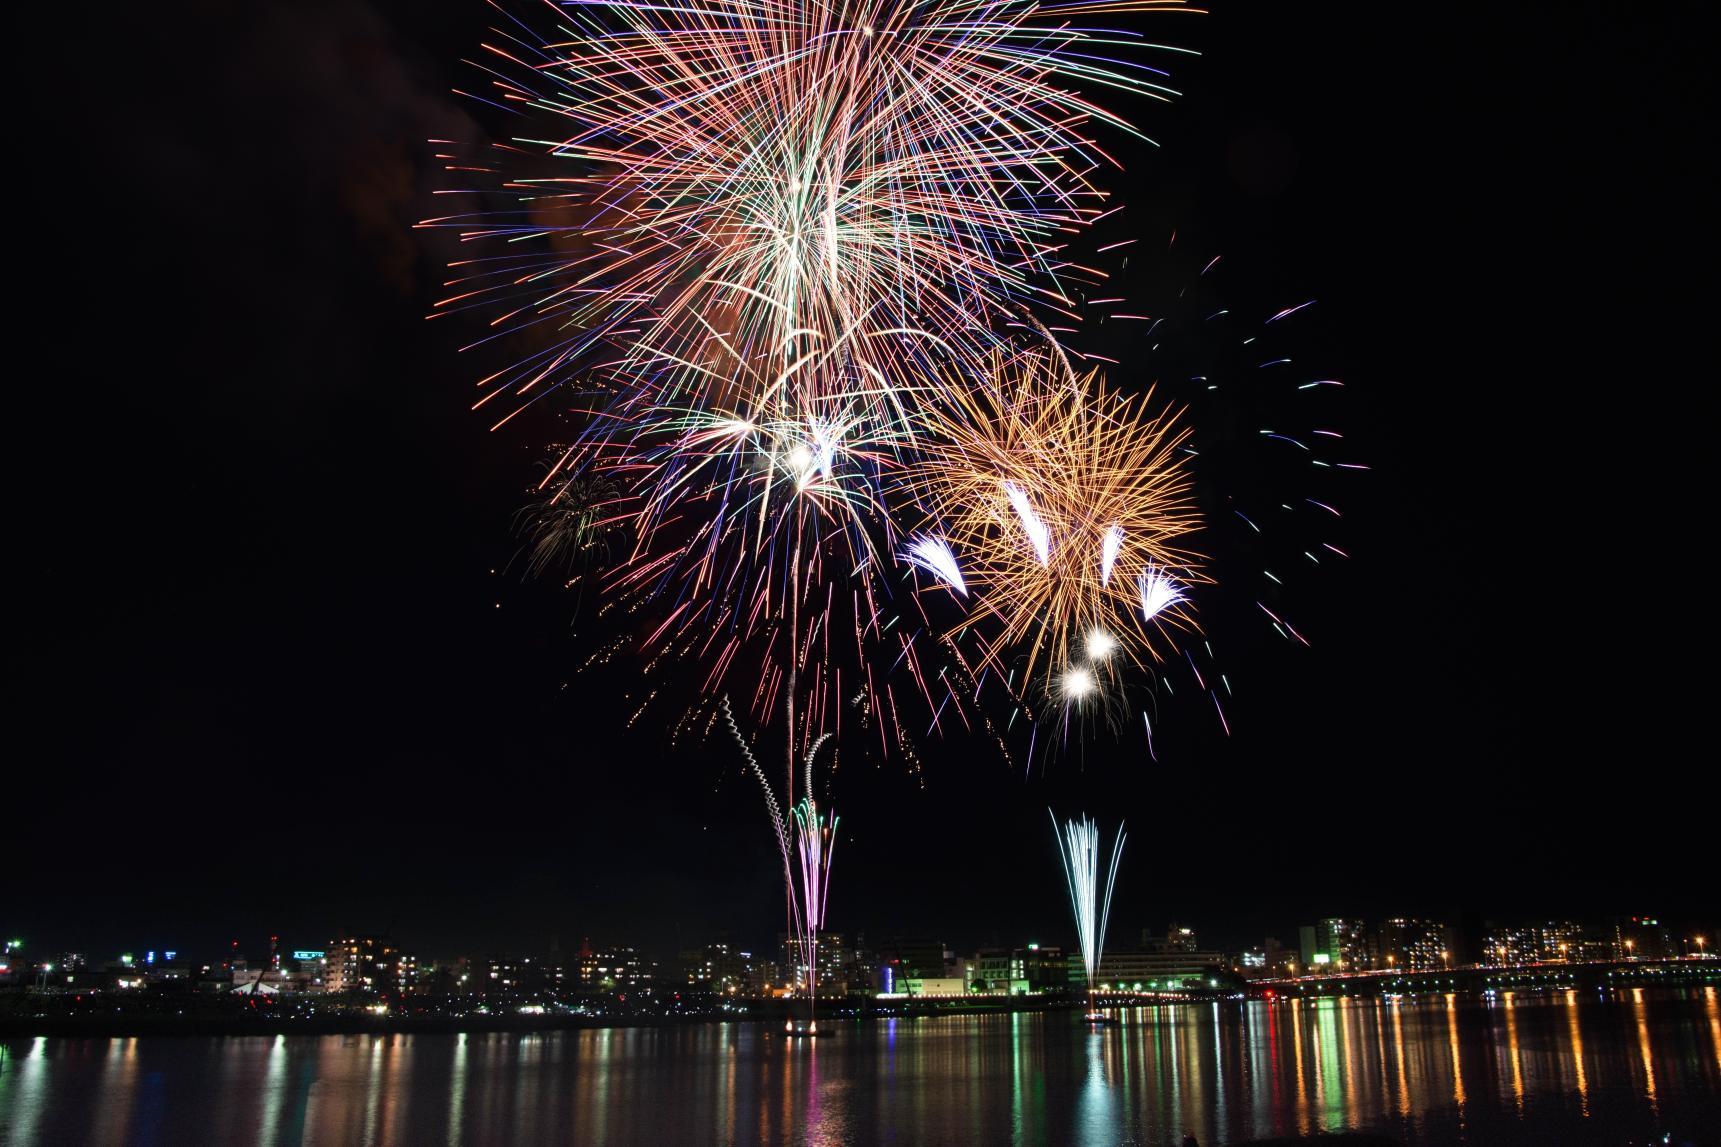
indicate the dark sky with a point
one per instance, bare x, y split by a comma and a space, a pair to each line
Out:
268, 669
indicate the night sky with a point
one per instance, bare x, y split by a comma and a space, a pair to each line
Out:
270, 670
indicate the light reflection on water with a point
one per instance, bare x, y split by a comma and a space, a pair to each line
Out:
1563, 1067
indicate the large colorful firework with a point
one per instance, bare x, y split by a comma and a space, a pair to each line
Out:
805, 274
701, 185
755, 239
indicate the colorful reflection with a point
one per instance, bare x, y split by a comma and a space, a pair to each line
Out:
1605, 1066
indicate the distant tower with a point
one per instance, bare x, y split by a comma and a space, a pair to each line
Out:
275, 953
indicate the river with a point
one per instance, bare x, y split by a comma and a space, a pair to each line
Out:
1557, 1068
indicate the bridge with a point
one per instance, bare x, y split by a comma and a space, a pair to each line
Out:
1497, 977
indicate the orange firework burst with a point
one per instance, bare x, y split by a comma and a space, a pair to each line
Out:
1066, 507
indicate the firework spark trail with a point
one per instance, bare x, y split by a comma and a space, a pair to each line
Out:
1109, 549
1090, 898
815, 837
934, 556
778, 825
1158, 593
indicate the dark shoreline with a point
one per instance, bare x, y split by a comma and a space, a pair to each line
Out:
217, 1017
235, 1023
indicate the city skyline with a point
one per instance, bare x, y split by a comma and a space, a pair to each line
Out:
1327, 945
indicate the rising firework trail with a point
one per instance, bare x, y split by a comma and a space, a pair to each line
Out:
816, 840
1090, 900
779, 825
806, 840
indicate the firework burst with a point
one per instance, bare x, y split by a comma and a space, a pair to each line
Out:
571, 526
704, 184
763, 530
1069, 509
785, 258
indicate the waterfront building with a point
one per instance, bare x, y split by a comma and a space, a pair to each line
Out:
1642, 938
838, 959
1044, 966
1150, 970
1544, 942
934, 986
717, 967
1415, 945
1344, 941
1280, 959
900, 959
915, 957
359, 963
605, 969
997, 970
1175, 938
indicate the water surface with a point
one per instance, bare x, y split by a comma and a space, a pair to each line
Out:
1555, 1068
